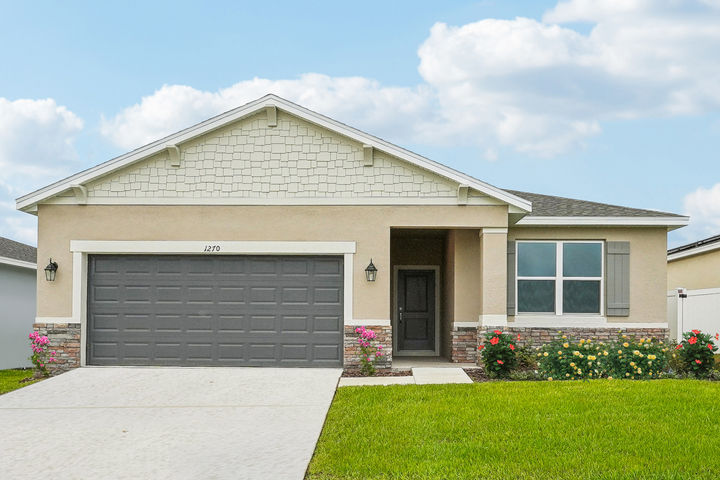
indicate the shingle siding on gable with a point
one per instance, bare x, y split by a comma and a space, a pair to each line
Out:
293, 160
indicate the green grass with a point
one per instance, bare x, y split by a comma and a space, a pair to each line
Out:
606, 429
10, 379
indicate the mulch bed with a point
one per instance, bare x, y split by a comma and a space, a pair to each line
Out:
477, 375
379, 373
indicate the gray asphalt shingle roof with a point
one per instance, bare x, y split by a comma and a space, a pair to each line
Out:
551, 206
17, 251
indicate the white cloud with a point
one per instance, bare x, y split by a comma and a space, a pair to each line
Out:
360, 101
536, 86
36, 147
703, 206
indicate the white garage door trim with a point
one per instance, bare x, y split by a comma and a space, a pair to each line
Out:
81, 248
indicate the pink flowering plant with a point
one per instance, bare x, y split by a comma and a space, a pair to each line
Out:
42, 356
370, 350
498, 354
697, 353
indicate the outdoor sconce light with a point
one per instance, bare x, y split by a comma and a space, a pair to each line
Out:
370, 272
50, 271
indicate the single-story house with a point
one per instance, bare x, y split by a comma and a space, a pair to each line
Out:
695, 265
248, 239
18, 280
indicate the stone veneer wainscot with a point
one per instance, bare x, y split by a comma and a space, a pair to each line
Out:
65, 341
352, 349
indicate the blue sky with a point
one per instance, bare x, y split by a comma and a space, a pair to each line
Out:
613, 101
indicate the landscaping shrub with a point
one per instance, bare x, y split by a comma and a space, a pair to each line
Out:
636, 359
696, 353
370, 352
526, 359
498, 354
41, 356
565, 359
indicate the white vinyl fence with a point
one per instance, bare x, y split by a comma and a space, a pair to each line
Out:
693, 310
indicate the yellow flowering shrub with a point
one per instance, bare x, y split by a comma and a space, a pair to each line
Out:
565, 359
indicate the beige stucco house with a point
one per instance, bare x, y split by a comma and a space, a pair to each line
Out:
245, 240
695, 265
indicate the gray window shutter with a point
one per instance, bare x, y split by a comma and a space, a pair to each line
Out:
617, 296
511, 278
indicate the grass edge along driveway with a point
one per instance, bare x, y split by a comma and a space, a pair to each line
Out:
667, 429
10, 379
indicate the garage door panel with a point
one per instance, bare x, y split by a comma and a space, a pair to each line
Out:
219, 310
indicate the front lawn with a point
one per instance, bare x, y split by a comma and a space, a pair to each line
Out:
609, 429
10, 379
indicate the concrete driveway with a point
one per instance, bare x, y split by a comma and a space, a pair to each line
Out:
158, 423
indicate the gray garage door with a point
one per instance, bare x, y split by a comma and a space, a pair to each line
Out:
220, 310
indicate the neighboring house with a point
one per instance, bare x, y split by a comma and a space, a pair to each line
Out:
695, 265
693, 284
18, 283
245, 239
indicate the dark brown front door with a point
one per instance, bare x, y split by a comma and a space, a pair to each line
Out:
416, 310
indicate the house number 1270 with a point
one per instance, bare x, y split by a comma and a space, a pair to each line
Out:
212, 248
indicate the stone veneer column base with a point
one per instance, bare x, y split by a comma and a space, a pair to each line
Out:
65, 341
463, 344
352, 349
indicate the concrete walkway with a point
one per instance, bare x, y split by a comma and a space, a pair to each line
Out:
166, 423
420, 376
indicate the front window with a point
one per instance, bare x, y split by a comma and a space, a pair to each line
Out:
559, 278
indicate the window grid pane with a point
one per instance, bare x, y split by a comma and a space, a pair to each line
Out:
536, 296
582, 259
581, 296
536, 259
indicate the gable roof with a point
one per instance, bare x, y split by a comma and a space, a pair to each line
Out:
29, 202
18, 254
553, 210
701, 246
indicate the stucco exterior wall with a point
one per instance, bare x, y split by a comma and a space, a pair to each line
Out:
467, 276
248, 159
695, 272
17, 315
648, 266
368, 226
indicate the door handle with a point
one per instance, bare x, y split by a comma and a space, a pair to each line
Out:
401, 315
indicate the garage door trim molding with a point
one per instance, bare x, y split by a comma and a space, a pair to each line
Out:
81, 248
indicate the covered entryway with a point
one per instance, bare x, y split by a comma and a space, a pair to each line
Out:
224, 310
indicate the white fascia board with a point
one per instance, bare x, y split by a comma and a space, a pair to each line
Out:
670, 222
694, 251
212, 247
18, 263
26, 201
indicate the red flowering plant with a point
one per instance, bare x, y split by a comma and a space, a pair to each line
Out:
498, 353
697, 353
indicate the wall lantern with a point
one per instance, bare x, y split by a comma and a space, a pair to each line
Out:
370, 272
50, 271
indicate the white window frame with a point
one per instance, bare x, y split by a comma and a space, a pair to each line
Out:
559, 278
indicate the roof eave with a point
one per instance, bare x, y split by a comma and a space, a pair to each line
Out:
671, 223
18, 263
693, 251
